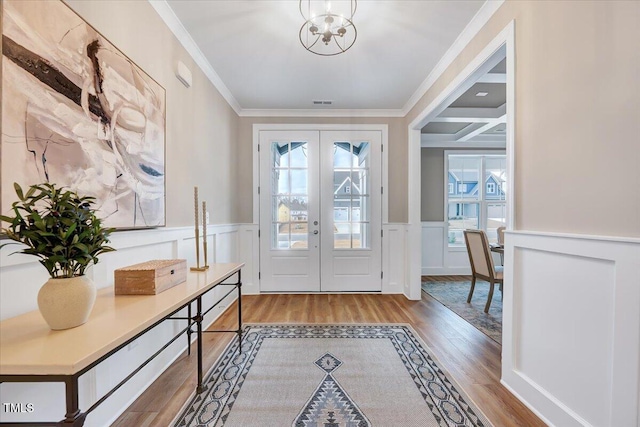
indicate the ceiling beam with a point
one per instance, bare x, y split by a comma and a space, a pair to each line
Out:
466, 136
497, 142
461, 115
493, 78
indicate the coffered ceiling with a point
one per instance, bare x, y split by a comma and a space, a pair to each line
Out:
478, 115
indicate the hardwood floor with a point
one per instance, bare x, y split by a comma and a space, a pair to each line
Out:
472, 358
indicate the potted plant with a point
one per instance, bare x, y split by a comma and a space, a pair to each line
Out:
61, 228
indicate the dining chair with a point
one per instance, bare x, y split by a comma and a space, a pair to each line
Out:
481, 263
500, 231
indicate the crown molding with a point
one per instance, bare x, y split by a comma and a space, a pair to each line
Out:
175, 25
249, 112
473, 27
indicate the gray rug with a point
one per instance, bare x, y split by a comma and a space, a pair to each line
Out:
454, 296
329, 376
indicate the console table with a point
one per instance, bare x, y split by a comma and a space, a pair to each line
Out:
31, 352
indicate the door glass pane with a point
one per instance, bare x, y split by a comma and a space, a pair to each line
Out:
289, 189
341, 155
280, 208
299, 235
298, 154
280, 154
350, 195
361, 155
342, 208
360, 181
280, 236
360, 235
299, 181
280, 181
298, 209
342, 235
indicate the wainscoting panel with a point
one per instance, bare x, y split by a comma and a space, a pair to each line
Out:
571, 338
394, 250
22, 277
433, 241
249, 253
437, 257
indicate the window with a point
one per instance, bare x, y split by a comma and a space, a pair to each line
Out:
481, 199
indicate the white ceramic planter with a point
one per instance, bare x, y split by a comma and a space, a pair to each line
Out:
67, 302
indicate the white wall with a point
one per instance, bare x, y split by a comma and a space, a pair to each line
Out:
22, 277
571, 337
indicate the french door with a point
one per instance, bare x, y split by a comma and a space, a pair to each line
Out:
320, 211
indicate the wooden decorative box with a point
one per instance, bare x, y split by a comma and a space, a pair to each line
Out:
151, 277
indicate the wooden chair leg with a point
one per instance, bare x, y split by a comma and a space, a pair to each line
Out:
473, 285
489, 298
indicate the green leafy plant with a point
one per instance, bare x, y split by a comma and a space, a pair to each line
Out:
59, 227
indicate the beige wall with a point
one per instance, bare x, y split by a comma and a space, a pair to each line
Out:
397, 151
577, 113
200, 126
577, 116
432, 184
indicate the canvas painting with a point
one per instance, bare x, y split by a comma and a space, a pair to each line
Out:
79, 113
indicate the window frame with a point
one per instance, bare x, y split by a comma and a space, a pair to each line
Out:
481, 200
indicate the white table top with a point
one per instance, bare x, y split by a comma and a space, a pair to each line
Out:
29, 347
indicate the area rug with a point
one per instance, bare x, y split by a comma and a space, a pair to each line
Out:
329, 376
454, 296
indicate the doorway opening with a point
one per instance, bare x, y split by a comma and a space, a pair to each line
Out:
465, 116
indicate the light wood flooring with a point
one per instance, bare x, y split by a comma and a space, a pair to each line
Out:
471, 358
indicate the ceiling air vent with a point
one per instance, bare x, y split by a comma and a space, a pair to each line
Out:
322, 102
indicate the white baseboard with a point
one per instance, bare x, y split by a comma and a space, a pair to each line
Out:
571, 333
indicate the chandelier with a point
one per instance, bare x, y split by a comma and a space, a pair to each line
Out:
328, 31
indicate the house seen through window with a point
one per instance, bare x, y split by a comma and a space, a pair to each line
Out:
476, 196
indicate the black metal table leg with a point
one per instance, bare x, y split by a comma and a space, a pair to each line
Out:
73, 417
189, 331
198, 318
239, 312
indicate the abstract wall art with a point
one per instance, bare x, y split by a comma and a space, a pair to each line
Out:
79, 113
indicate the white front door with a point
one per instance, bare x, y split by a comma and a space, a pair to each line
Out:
320, 211
350, 187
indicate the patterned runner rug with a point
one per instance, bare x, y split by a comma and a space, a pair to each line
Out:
329, 376
454, 296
